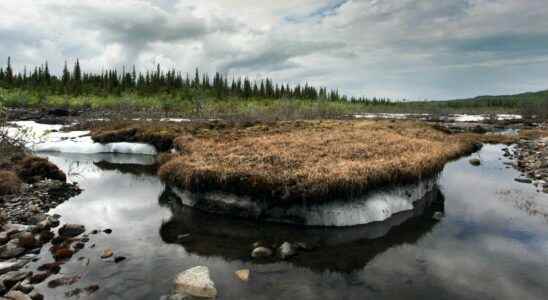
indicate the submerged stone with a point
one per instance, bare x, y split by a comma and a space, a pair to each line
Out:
286, 250
243, 275
71, 230
475, 162
196, 282
523, 180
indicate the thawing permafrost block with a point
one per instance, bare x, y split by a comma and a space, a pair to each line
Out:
376, 206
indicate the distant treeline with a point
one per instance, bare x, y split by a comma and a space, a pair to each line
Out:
76, 82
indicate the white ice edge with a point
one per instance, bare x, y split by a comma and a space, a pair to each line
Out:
455, 117
374, 207
48, 138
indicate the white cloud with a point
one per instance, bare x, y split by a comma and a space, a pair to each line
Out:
410, 48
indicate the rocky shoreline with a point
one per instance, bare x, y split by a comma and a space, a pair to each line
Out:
532, 161
24, 229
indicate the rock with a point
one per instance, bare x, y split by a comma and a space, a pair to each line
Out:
261, 252
523, 180
91, 289
52, 268
45, 236
286, 250
73, 293
71, 230
63, 253
10, 250
94, 231
196, 282
23, 286
34, 295
63, 281
107, 253
79, 245
107, 231
4, 237
475, 162
17, 295
119, 259
7, 266
27, 240
39, 277
12, 278
243, 275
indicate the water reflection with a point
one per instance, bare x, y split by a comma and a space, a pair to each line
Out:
232, 239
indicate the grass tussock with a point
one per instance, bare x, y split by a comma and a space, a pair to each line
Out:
160, 136
9, 183
32, 169
310, 161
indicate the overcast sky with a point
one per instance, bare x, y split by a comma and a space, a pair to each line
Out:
416, 49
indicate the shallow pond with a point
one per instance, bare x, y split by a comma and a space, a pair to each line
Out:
491, 244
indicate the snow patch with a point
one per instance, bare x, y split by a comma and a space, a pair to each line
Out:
49, 138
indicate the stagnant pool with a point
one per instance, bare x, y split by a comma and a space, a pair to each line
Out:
491, 244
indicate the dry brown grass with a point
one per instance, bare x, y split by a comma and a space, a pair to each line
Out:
310, 161
9, 183
32, 169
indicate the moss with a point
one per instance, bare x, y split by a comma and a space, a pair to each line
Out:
9, 183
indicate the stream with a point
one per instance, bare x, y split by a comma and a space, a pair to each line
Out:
492, 242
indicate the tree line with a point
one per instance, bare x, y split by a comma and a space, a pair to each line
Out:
75, 82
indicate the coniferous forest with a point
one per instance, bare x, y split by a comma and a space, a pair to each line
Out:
75, 81
173, 89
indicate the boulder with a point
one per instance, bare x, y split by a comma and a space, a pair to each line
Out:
12, 278
63, 253
7, 266
523, 180
261, 252
34, 295
475, 162
10, 250
243, 275
71, 230
286, 250
196, 282
27, 240
107, 253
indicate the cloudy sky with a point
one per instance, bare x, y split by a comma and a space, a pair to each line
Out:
416, 49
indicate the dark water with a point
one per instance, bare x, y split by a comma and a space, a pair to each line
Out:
492, 244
